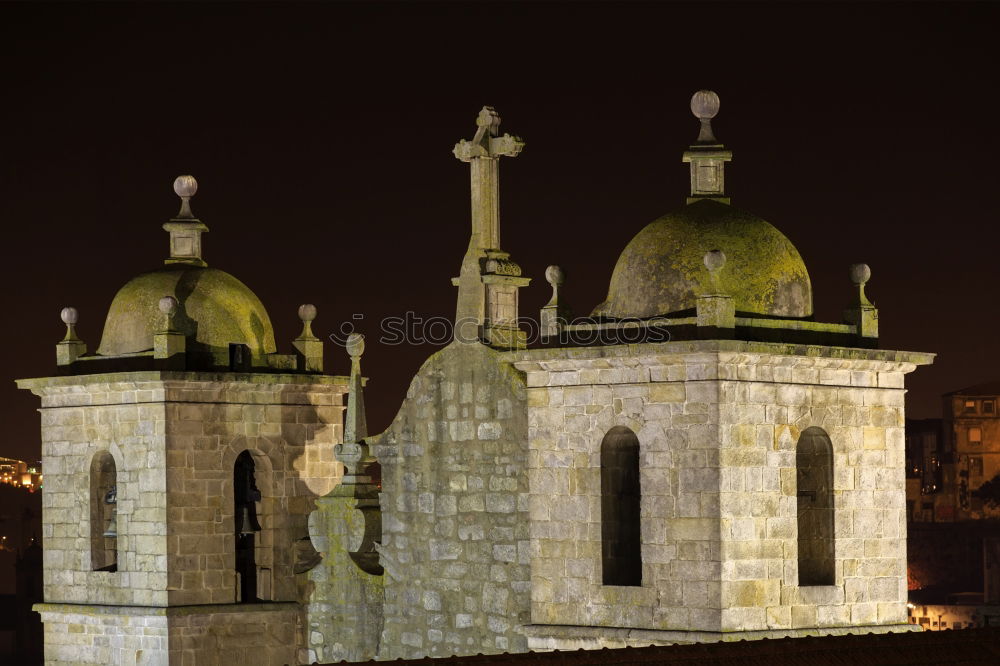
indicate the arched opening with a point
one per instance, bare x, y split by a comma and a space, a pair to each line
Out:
103, 513
245, 498
814, 502
621, 547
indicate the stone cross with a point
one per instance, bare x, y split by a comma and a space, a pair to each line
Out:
489, 280
483, 153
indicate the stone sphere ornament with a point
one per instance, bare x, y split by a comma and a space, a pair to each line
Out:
555, 276
307, 312
69, 316
168, 305
185, 186
355, 345
714, 260
705, 104
860, 273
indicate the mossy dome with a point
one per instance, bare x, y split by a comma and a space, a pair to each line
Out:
214, 310
662, 270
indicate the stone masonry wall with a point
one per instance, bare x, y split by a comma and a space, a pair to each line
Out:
455, 509
174, 438
258, 635
717, 432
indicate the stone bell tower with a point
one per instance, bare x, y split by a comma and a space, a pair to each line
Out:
182, 460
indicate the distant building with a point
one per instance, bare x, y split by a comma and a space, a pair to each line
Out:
21, 474
972, 430
954, 539
948, 459
924, 471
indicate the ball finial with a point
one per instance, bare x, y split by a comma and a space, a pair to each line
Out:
355, 345
714, 260
860, 274
69, 316
168, 305
705, 104
307, 312
555, 276
185, 186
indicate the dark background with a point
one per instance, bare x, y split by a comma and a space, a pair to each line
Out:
321, 135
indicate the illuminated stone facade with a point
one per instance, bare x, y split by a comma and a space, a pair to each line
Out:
699, 461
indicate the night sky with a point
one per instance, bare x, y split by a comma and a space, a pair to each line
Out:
321, 138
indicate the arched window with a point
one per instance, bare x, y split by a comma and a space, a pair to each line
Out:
245, 498
814, 482
621, 547
103, 513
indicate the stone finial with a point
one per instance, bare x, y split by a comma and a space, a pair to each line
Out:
185, 229
71, 347
308, 346
860, 274
487, 142
307, 313
185, 187
705, 106
70, 317
715, 309
862, 312
714, 260
355, 348
355, 424
488, 280
554, 314
168, 342
168, 306
707, 156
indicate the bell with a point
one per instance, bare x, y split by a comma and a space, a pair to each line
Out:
247, 521
112, 498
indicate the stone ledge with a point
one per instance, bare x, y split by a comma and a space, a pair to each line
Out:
167, 611
566, 637
628, 354
164, 376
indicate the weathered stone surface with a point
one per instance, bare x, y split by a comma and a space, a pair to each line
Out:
718, 492
459, 551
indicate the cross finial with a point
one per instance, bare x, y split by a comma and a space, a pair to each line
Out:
488, 282
486, 142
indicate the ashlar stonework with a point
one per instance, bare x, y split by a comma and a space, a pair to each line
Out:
700, 460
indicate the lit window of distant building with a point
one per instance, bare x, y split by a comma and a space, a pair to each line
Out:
975, 435
989, 407
976, 465
970, 405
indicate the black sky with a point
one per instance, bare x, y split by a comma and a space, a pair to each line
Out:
320, 135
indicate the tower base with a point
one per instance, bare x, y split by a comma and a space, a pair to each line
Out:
218, 634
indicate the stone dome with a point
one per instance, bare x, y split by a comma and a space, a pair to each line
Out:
661, 271
214, 310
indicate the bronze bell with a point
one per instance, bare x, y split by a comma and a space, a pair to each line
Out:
111, 497
247, 521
